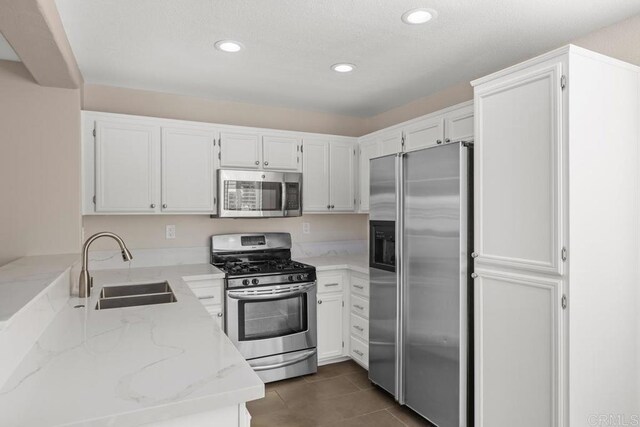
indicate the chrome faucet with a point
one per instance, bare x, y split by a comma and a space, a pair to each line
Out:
86, 281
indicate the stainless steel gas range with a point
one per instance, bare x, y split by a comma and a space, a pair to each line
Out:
270, 303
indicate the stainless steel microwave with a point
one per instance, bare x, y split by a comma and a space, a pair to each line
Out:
258, 194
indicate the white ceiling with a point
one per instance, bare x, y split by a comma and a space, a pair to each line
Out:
6, 52
167, 45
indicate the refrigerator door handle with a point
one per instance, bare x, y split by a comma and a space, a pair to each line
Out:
400, 278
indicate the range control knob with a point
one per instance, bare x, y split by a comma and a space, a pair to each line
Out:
290, 278
245, 282
299, 276
255, 281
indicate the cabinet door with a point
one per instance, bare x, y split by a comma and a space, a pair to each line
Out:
127, 167
341, 176
329, 325
518, 350
188, 170
518, 169
280, 152
390, 142
423, 134
239, 150
458, 125
368, 150
315, 179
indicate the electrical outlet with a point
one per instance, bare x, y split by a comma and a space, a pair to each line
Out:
170, 232
306, 228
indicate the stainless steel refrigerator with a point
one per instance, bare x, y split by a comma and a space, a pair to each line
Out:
419, 265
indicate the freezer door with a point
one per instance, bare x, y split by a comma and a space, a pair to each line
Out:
435, 284
383, 276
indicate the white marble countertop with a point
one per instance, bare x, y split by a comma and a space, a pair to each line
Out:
21, 281
129, 366
358, 263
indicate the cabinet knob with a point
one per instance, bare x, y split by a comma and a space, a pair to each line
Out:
266, 163
153, 206
474, 275
328, 206
319, 301
447, 140
219, 314
474, 255
439, 141
257, 162
332, 206
164, 205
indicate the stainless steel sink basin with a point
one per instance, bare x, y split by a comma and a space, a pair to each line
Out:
135, 295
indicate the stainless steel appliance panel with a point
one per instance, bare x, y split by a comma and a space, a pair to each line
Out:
259, 194
288, 365
382, 189
435, 288
384, 279
265, 321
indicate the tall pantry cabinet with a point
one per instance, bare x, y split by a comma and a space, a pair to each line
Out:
557, 241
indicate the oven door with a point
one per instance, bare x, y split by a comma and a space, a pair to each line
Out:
245, 194
271, 320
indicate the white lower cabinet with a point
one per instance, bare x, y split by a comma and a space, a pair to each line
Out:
210, 292
518, 323
330, 339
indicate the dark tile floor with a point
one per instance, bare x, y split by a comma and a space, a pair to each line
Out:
340, 394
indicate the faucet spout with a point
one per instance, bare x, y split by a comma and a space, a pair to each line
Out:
86, 281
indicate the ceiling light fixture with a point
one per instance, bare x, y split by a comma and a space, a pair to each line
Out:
343, 68
418, 16
229, 46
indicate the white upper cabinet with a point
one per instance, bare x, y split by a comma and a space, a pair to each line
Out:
126, 167
458, 125
281, 152
390, 142
368, 150
518, 170
240, 150
315, 180
188, 170
424, 133
329, 175
341, 170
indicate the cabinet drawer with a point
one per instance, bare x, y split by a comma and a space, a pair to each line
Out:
360, 306
210, 295
360, 351
360, 286
360, 327
332, 282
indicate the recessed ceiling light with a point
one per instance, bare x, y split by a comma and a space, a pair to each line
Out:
418, 16
229, 46
343, 68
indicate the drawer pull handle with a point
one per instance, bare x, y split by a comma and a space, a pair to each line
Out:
207, 297
331, 284
358, 286
360, 328
359, 307
358, 352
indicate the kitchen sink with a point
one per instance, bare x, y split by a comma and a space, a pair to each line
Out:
135, 295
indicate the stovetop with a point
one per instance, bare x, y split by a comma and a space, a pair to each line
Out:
235, 268
240, 272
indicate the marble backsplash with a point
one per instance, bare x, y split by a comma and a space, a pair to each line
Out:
105, 260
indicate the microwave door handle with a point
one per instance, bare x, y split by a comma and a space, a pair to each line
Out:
284, 196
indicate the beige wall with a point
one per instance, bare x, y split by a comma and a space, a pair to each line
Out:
39, 166
170, 106
142, 232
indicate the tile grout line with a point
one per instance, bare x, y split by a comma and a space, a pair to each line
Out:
399, 420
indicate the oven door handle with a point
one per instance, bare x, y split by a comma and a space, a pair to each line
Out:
241, 295
289, 362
